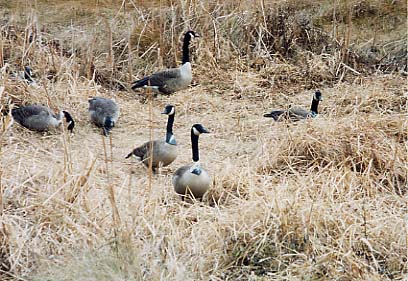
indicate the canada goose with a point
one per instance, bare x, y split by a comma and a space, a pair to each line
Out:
40, 118
164, 150
192, 179
104, 113
297, 113
171, 80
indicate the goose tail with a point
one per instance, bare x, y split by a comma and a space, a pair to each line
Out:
129, 155
134, 154
140, 83
274, 114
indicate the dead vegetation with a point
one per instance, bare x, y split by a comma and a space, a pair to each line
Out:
322, 199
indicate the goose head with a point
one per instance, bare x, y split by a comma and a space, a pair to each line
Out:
199, 129
108, 125
191, 34
28, 73
169, 110
318, 96
69, 120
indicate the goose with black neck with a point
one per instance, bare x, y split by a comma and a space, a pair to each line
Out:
41, 118
297, 113
171, 80
164, 150
192, 179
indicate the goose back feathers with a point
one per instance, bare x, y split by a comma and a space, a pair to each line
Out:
104, 113
163, 153
40, 118
171, 80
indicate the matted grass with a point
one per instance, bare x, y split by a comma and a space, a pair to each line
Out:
324, 199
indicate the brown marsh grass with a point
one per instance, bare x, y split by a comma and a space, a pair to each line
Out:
324, 199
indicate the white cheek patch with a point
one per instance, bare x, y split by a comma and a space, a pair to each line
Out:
172, 111
196, 132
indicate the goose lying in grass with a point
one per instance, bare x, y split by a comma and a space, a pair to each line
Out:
297, 113
192, 179
104, 113
171, 80
40, 118
164, 150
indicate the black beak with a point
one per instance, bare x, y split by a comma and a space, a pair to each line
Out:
205, 131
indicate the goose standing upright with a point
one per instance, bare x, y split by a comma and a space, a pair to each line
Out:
171, 80
297, 113
104, 113
40, 118
164, 150
192, 179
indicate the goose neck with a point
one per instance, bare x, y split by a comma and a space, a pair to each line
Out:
170, 121
315, 104
170, 139
186, 44
194, 146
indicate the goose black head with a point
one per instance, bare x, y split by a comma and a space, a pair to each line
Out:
198, 129
169, 110
108, 125
191, 34
70, 121
318, 96
28, 74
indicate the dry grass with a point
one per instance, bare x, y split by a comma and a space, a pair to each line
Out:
324, 199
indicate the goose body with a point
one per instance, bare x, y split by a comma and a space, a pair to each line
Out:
164, 150
192, 179
186, 182
297, 113
171, 80
104, 113
40, 118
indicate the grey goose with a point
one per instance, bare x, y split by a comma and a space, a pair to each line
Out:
192, 179
297, 113
104, 113
40, 118
164, 150
171, 80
